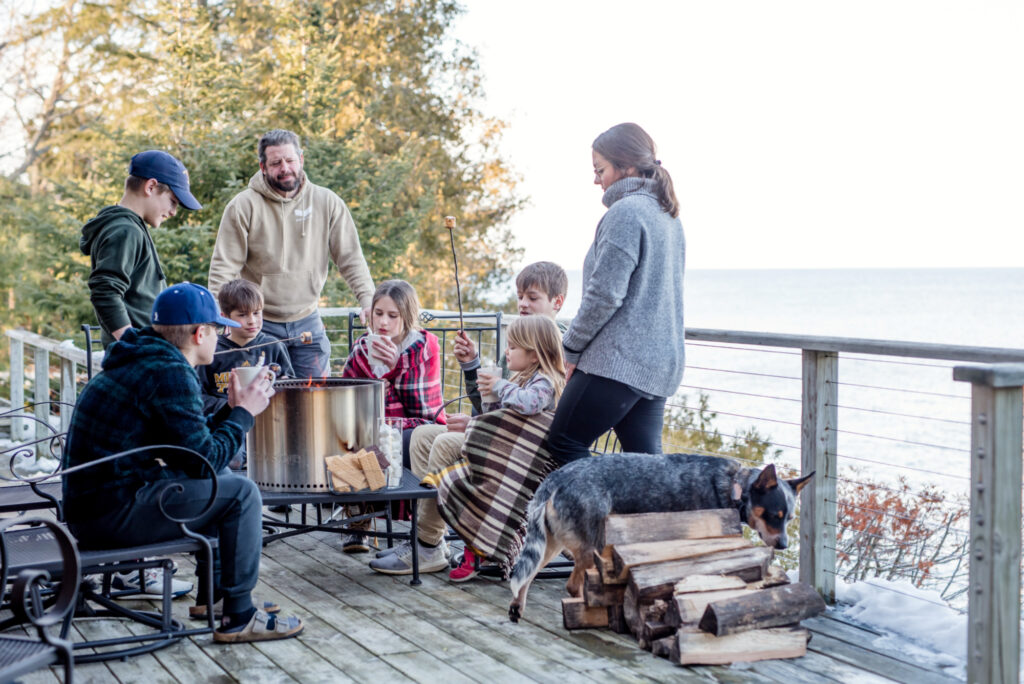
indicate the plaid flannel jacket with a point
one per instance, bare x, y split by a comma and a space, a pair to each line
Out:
413, 386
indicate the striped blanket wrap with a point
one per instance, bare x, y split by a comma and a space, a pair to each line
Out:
484, 498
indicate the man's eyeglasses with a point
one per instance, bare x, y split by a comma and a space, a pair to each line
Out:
217, 328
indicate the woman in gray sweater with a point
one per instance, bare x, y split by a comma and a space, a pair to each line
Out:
624, 349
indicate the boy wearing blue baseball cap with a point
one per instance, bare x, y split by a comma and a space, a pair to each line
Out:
126, 274
149, 394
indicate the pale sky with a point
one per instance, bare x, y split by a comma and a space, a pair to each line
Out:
798, 134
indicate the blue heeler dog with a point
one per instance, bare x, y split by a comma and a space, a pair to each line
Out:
570, 506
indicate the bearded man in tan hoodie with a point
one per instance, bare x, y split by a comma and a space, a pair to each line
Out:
279, 234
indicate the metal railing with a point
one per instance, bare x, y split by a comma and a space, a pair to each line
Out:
995, 420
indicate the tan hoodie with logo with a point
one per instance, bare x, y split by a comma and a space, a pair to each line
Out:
282, 244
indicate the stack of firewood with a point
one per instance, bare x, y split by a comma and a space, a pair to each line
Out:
691, 588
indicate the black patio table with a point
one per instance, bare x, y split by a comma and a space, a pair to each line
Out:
408, 490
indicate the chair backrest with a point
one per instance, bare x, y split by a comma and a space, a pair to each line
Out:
27, 590
89, 342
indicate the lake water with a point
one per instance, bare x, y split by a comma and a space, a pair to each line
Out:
898, 417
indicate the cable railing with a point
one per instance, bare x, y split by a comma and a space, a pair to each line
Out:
901, 436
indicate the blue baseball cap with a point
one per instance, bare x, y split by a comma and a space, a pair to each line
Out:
187, 303
161, 166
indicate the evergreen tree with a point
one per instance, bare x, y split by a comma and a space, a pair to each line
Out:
383, 98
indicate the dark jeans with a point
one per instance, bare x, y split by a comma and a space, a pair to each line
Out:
591, 405
234, 519
308, 360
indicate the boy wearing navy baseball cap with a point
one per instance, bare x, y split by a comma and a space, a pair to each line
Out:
126, 274
149, 394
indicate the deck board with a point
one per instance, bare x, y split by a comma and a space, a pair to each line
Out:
365, 627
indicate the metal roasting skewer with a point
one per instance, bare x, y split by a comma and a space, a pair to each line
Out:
449, 223
306, 337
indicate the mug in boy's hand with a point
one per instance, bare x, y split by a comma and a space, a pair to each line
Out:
493, 373
248, 374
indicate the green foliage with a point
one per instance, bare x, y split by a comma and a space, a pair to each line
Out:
382, 98
692, 429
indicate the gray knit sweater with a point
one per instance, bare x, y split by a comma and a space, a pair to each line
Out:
629, 326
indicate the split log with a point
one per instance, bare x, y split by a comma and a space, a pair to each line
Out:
686, 610
658, 581
576, 614
652, 527
695, 583
627, 556
700, 648
631, 610
759, 609
664, 647
605, 569
775, 577
617, 620
651, 631
596, 593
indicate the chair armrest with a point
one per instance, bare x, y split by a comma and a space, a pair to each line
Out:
165, 455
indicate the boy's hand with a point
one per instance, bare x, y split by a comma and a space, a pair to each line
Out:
465, 350
457, 422
385, 351
255, 397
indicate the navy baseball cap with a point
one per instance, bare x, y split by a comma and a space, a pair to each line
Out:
163, 167
187, 303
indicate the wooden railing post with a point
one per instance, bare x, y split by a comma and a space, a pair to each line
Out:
820, 416
18, 426
41, 391
993, 605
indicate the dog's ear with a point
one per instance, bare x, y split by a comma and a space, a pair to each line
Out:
800, 483
767, 479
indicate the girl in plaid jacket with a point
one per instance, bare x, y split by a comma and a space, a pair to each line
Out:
406, 358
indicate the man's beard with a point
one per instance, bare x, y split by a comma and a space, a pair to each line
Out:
289, 185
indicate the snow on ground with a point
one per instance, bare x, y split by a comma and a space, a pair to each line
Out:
912, 620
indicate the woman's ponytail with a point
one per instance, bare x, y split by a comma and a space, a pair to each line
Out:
628, 145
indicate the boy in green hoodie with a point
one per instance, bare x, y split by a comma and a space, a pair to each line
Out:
126, 275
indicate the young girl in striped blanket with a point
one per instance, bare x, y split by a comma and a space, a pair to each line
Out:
534, 355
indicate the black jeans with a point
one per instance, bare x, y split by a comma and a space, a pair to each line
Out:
235, 519
591, 405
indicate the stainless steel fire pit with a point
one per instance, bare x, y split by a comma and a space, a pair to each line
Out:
306, 422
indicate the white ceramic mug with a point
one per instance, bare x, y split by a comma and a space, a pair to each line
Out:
248, 374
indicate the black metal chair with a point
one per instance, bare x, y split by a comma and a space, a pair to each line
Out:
33, 548
90, 341
30, 590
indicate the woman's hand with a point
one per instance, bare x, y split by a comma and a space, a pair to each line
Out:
569, 368
465, 350
385, 351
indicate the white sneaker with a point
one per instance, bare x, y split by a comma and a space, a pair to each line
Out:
154, 584
403, 546
400, 563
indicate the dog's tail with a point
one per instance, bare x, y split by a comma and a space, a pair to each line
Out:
533, 546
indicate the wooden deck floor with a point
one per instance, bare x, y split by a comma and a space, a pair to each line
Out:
365, 627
